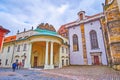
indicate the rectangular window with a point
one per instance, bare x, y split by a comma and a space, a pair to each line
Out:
62, 62
25, 46
6, 62
62, 49
8, 49
18, 49
67, 62
66, 51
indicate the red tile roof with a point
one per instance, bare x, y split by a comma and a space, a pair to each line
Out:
10, 38
4, 30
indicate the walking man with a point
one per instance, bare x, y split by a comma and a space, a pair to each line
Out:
14, 66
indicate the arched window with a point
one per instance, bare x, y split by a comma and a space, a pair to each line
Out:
75, 43
20, 38
93, 38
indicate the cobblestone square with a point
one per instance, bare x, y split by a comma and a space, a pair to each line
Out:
65, 73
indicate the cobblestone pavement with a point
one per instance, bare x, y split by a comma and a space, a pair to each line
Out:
86, 73
24, 74
65, 73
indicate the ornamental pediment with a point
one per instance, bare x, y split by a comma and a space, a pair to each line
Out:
46, 26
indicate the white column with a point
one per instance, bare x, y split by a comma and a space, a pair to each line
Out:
28, 58
51, 56
60, 60
46, 56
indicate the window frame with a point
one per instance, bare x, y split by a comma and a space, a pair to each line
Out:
18, 48
8, 49
25, 47
75, 43
93, 39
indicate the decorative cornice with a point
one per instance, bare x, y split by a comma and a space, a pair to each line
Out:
78, 22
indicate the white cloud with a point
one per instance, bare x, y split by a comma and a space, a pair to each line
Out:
62, 8
21, 14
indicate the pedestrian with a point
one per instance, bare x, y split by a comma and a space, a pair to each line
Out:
0, 63
17, 65
20, 65
14, 66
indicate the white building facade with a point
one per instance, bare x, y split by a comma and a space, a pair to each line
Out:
86, 41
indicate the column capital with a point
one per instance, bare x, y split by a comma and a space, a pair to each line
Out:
51, 41
47, 41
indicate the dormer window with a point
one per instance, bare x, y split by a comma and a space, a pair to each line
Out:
26, 36
20, 38
81, 16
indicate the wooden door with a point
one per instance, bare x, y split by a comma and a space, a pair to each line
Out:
35, 61
96, 60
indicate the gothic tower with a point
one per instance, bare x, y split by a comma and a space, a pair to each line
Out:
111, 31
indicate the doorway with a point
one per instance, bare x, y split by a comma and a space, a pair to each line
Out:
35, 61
96, 60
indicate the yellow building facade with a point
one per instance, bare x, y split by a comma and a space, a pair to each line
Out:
39, 48
111, 30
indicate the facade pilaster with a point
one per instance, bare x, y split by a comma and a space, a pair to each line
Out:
28, 58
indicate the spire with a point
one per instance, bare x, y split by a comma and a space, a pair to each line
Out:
24, 29
32, 28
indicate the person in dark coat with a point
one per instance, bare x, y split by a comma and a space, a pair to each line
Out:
14, 66
17, 65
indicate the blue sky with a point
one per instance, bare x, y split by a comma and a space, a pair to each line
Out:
19, 14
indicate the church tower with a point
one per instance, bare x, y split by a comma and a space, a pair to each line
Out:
112, 31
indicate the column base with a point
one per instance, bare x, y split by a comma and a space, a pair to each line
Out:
85, 62
60, 65
48, 66
27, 66
52, 66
